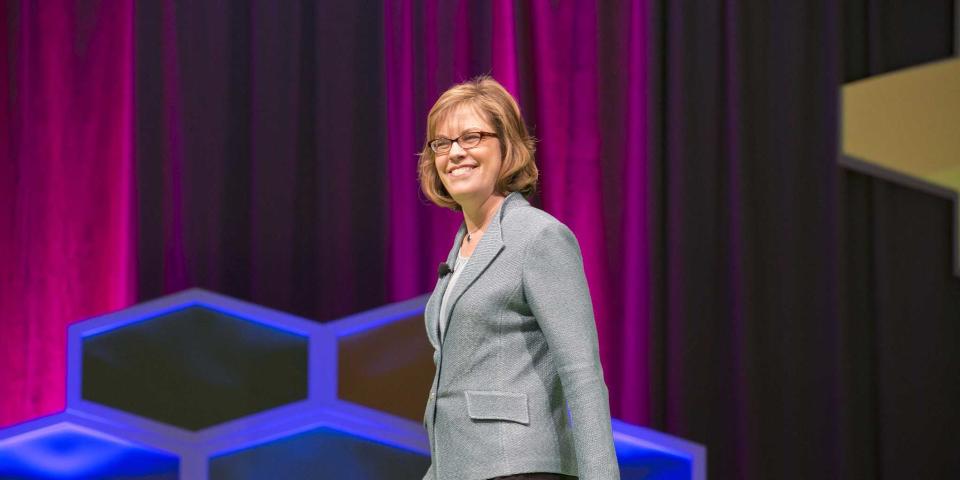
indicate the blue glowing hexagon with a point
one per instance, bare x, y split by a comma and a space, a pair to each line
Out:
651, 455
65, 446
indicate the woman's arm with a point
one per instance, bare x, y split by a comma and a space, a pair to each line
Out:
556, 290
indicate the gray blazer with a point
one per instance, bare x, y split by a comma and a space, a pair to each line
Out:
519, 349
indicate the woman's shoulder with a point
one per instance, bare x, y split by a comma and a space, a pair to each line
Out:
526, 216
527, 222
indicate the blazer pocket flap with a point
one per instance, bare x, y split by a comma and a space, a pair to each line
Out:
493, 405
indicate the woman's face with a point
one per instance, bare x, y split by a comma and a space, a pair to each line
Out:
470, 176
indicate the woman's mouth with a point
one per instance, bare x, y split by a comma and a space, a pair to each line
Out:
461, 171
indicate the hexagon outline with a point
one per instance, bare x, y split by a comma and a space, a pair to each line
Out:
377, 317
321, 385
376, 427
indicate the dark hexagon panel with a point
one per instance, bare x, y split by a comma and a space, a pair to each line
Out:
320, 453
194, 367
384, 360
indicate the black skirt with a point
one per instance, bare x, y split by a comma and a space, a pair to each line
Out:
536, 476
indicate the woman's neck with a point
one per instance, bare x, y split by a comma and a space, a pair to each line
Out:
478, 216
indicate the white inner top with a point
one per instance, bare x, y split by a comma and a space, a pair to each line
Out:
444, 314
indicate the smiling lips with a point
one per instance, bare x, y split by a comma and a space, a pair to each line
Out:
461, 171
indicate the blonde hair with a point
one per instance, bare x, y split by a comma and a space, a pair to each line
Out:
518, 171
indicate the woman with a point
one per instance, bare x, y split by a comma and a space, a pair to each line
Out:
510, 318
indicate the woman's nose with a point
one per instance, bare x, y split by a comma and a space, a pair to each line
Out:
456, 151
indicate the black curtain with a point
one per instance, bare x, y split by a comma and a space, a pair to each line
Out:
899, 325
900, 368
885, 35
748, 307
807, 315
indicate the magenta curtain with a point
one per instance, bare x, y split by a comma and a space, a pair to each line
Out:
66, 178
592, 155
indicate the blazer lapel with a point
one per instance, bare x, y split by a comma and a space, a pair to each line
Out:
433, 310
489, 247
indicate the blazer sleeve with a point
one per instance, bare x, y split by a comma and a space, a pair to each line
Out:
556, 291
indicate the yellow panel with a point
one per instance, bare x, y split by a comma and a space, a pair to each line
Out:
908, 121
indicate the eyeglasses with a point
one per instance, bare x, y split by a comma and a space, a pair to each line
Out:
468, 140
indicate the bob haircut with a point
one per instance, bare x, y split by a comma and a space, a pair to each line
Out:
518, 171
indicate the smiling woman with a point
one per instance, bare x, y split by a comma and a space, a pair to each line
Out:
511, 322
480, 106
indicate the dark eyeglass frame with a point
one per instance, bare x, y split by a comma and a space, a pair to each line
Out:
441, 151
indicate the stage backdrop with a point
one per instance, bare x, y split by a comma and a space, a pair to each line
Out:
277, 141
267, 150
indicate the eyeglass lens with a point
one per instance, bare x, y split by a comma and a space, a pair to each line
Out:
467, 140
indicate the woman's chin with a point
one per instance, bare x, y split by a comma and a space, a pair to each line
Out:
461, 195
